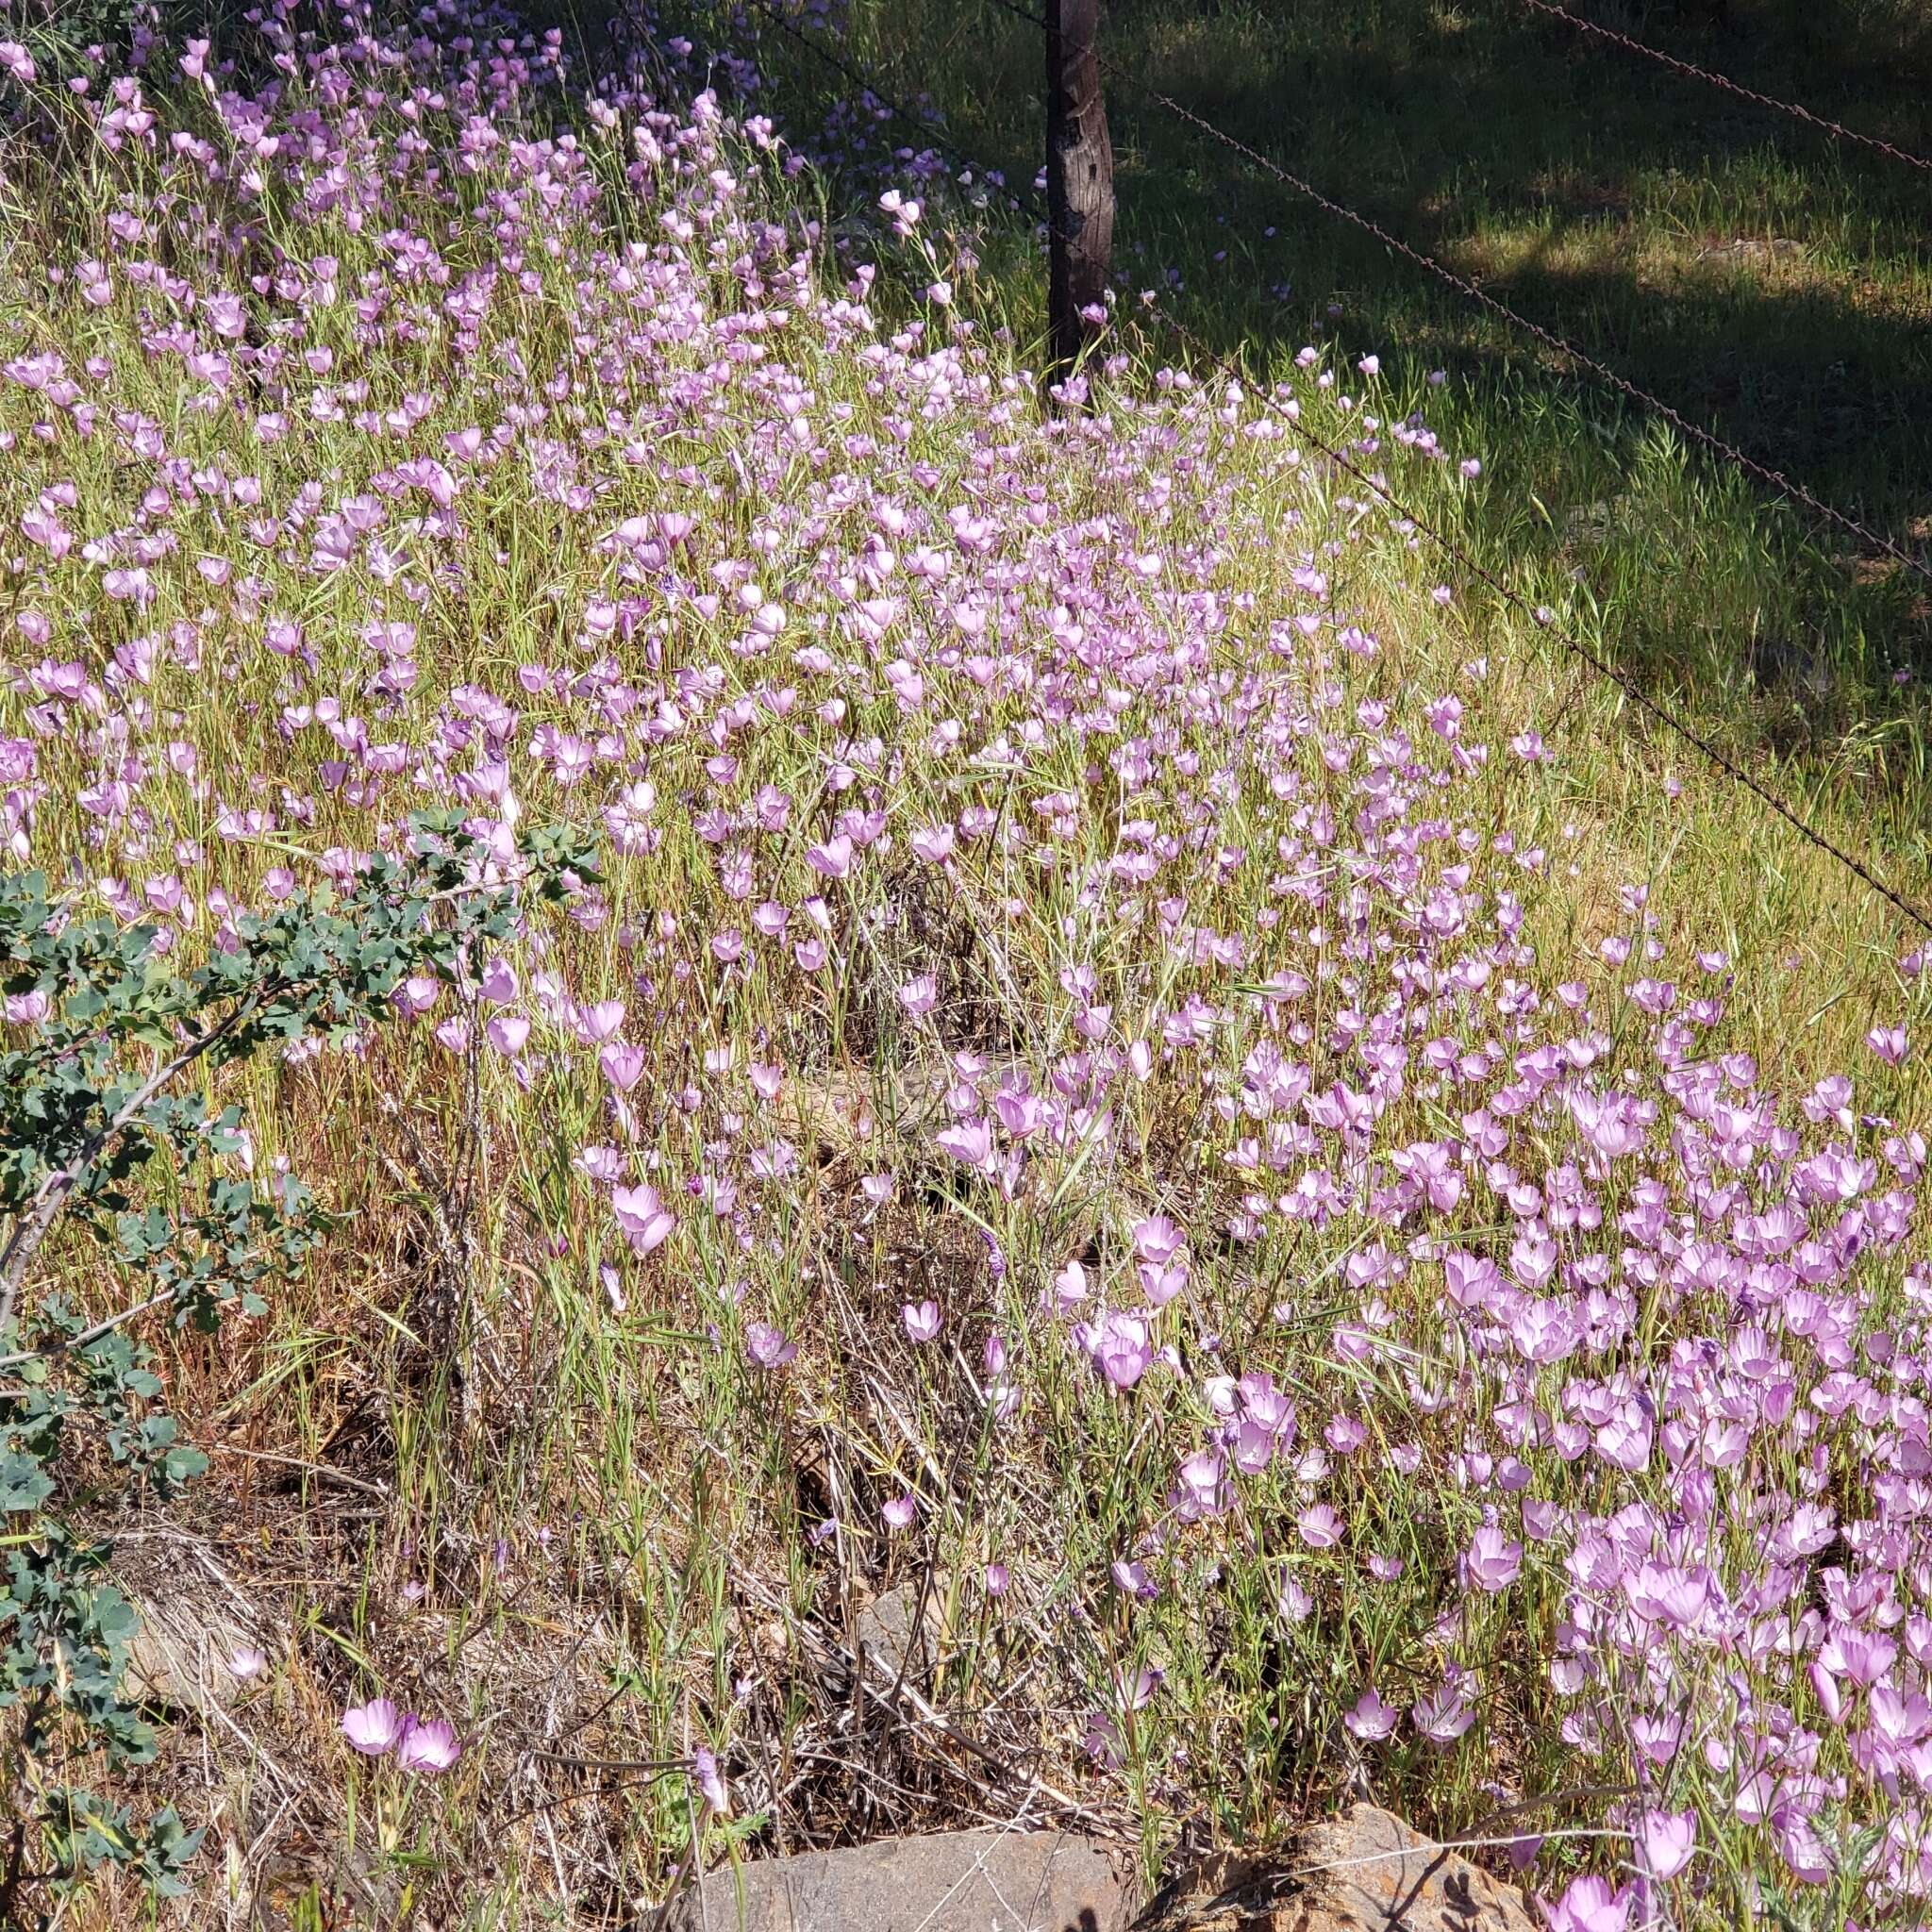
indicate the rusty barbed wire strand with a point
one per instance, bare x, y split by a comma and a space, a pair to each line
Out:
1614, 674
1691, 71
1603, 667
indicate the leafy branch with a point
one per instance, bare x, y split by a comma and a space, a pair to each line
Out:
105, 1138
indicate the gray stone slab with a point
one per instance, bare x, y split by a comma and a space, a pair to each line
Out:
991, 1880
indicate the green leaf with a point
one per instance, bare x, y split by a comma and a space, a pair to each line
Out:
23, 1483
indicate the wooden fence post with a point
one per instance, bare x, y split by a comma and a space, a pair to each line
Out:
1079, 181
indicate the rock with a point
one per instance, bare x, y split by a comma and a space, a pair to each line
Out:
182, 1655
1365, 1872
886, 1634
995, 1880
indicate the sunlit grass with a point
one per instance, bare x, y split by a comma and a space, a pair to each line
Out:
1764, 282
599, 1535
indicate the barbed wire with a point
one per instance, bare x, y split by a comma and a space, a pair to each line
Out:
1797, 111
1653, 707
1605, 666
1668, 413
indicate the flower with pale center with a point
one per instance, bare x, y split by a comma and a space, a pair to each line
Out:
1492, 1561
767, 1346
1668, 1838
642, 1216
427, 1745
373, 1728
1371, 1720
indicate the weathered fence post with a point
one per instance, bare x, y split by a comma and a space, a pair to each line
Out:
1079, 181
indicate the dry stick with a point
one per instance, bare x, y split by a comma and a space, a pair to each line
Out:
380, 1490
930, 1713
657, 1766
1542, 1801
558, 1803
69, 1343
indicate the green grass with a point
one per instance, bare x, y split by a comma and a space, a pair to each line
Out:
656, 1494
1772, 286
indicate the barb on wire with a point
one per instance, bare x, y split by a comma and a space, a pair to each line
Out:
1603, 667
1019, 198
1726, 85
1695, 432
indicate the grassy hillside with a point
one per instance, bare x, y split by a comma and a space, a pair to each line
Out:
1768, 283
1146, 1068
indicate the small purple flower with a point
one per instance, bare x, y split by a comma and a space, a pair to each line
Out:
711, 1785
623, 1064
1492, 1561
1890, 1043
921, 1320
1157, 1238
1668, 1838
1371, 1720
1121, 1347
642, 1217
1661, 1594
427, 1745
373, 1728
602, 1020
1590, 1905
498, 984
507, 1033
1320, 1527
767, 1346
1443, 1715
972, 1144
833, 859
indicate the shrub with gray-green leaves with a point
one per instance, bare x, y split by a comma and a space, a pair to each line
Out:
110, 1141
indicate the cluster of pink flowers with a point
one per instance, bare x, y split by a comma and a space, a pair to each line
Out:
378, 1729
1492, 1291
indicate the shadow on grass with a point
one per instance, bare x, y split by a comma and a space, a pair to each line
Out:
1771, 285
